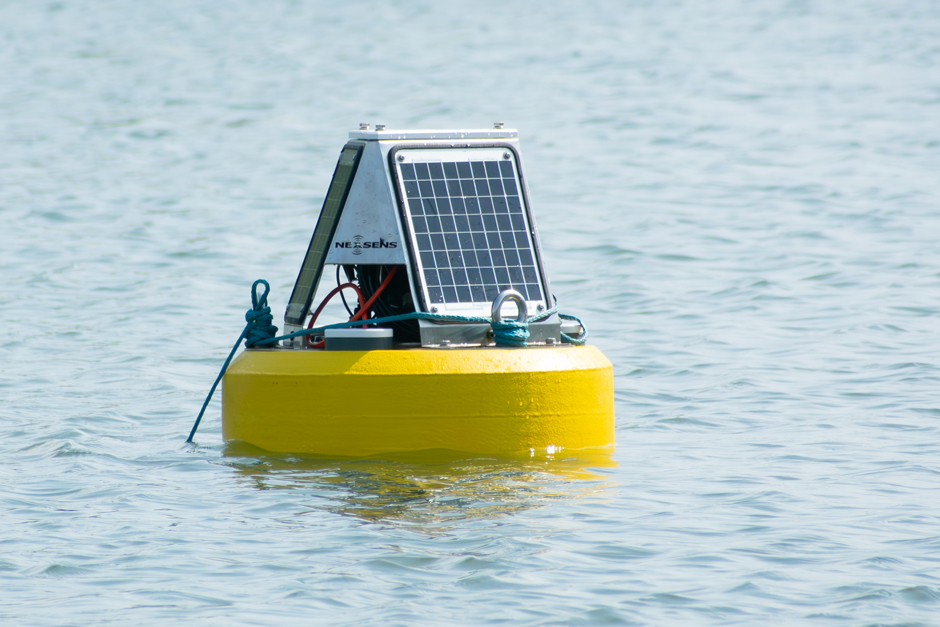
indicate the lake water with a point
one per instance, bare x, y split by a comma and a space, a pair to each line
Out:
741, 200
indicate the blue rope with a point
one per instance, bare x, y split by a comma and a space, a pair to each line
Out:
260, 327
574, 340
260, 331
510, 332
507, 331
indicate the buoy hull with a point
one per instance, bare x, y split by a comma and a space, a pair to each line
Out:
366, 403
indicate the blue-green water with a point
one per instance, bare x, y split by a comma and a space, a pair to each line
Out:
741, 199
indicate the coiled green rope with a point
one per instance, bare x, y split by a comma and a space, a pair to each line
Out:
509, 332
260, 331
260, 325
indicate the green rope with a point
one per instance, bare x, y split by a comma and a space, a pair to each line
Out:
260, 325
259, 331
574, 340
506, 330
510, 332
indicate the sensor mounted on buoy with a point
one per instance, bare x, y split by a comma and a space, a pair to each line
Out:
450, 212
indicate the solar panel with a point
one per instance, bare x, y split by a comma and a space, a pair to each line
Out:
312, 267
469, 227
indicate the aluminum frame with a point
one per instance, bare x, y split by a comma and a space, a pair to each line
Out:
389, 143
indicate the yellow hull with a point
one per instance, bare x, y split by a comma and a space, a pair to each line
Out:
365, 403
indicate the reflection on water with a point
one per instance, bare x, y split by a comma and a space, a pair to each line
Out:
428, 488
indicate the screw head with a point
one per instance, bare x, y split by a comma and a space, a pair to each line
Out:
433, 309
380, 127
400, 157
363, 126
497, 125
541, 307
445, 342
506, 155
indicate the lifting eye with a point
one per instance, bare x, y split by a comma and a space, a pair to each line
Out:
510, 295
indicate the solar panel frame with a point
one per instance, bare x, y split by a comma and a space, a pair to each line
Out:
466, 246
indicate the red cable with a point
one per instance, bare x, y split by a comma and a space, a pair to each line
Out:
336, 290
363, 309
382, 287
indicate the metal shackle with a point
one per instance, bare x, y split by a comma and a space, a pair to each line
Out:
514, 296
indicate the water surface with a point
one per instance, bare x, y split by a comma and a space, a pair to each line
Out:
739, 198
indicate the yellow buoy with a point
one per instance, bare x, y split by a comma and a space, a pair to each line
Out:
435, 234
366, 403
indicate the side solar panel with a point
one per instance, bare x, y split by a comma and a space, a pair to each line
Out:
469, 227
312, 268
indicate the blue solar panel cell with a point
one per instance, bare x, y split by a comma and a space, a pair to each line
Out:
470, 230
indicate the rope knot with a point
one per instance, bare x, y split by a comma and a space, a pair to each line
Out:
260, 330
510, 332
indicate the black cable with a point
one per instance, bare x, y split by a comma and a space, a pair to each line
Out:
345, 304
397, 291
